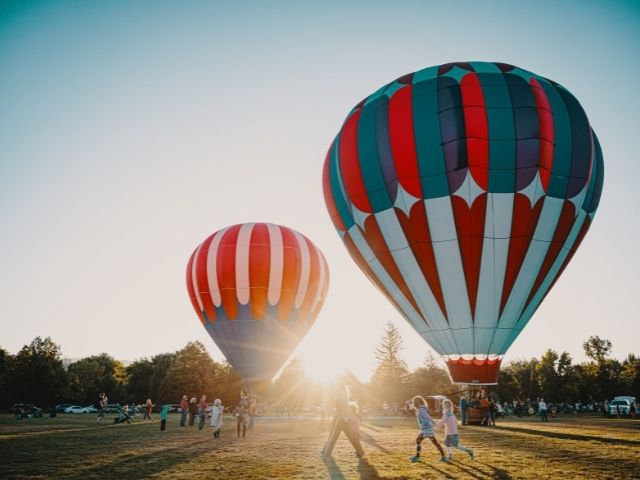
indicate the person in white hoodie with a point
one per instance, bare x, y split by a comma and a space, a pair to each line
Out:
216, 417
450, 423
425, 423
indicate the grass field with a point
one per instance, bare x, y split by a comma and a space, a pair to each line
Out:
74, 447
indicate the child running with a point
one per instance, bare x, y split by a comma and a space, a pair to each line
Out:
425, 422
450, 423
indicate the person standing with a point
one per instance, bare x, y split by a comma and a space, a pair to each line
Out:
147, 409
164, 415
216, 417
464, 406
202, 407
100, 408
184, 410
542, 408
193, 410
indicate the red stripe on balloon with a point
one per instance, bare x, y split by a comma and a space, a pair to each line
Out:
545, 121
470, 228
259, 265
192, 293
203, 280
403, 144
226, 263
563, 228
290, 273
328, 193
375, 239
416, 231
350, 164
476, 128
366, 269
523, 225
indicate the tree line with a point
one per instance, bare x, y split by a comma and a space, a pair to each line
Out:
37, 374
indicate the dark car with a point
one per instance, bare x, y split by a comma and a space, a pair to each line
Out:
26, 410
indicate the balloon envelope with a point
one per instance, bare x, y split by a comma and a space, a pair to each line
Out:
257, 288
462, 191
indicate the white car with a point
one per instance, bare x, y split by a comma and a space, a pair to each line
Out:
76, 409
621, 405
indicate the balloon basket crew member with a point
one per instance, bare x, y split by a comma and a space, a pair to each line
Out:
217, 417
425, 423
450, 423
341, 423
164, 416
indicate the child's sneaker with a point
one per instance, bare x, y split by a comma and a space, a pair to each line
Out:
415, 458
471, 453
444, 459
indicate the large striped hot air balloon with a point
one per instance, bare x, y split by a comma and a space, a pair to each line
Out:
462, 191
257, 288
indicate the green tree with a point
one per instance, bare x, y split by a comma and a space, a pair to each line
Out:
159, 388
139, 374
193, 373
630, 375
99, 373
547, 376
6, 361
292, 389
430, 379
602, 374
389, 380
36, 374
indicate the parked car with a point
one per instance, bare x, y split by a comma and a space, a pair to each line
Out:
26, 409
62, 407
91, 409
622, 404
76, 409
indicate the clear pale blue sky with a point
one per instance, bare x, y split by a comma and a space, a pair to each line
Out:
129, 131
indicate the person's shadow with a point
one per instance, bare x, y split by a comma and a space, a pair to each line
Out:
366, 470
333, 469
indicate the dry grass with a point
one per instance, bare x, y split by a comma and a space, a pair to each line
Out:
74, 447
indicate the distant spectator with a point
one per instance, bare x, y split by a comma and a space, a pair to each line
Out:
542, 409
193, 410
464, 406
217, 417
164, 416
202, 408
147, 409
184, 410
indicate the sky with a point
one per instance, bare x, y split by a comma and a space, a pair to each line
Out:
131, 130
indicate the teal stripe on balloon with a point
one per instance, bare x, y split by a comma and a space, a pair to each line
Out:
337, 186
561, 166
426, 127
502, 135
372, 174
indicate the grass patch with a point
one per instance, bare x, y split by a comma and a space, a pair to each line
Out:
72, 446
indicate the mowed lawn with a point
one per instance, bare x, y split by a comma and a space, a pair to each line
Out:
74, 447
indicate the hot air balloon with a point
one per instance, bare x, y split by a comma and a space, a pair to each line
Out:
462, 191
257, 289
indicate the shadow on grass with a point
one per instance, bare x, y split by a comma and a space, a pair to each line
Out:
366, 470
368, 439
146, 464
333, 469
569, 436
